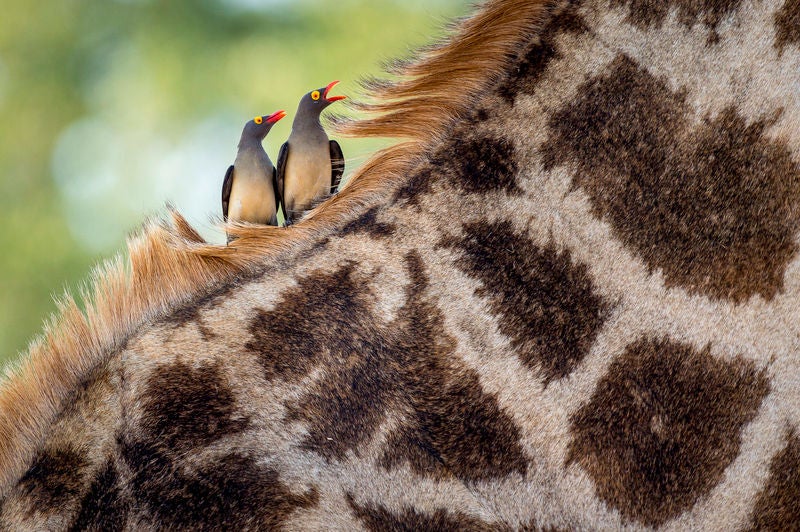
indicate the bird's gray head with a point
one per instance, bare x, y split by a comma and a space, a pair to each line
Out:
315, 101
258, 127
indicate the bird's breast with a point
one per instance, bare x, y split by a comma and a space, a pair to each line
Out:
252, 196
307, 176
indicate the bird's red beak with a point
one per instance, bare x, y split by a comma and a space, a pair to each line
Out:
332, 98
274, 117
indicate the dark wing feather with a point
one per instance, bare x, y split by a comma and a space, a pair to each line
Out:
280, 171
337, 166
278, 197
227, 185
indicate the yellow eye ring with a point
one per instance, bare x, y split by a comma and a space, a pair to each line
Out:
315, 95
258, 120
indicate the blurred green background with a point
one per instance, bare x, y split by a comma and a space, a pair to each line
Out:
109, 109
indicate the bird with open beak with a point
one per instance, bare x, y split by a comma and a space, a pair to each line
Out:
249, 190
310, 166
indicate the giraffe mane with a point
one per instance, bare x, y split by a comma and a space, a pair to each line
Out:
169, 264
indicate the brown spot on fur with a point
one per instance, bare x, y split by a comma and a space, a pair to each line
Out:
481, 115
546, 304
54, 479
378, 519
368, 223
787, 25
346, 408
474, 162
778, 506
232, 492
529, 69
184, 410
372, 367
327, 320
662, 426
311, 321
458, 430
416, 185
190, 313
648, 13
453, 426
185, 406
478, 163
714, 206
104, 507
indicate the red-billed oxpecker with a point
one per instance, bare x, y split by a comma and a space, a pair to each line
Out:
250, 191
310, 166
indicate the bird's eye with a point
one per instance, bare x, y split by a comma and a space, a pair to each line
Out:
258, 120
315, 95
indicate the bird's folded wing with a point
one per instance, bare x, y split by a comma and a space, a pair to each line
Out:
227, 185
280, 171
337, 166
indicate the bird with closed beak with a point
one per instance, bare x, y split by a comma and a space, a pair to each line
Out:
310, 166
249, 190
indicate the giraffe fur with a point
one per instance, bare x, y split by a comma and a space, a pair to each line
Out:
567, 299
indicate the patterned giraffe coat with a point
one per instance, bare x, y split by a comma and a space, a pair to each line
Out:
568, 299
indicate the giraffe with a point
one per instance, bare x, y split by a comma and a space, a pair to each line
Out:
566, 299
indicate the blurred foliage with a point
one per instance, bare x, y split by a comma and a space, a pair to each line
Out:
108, 109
